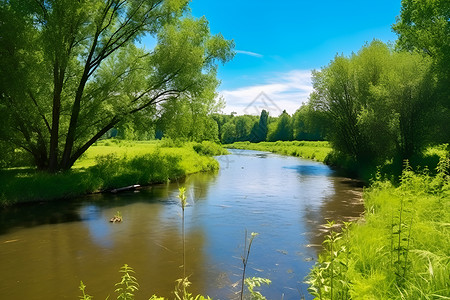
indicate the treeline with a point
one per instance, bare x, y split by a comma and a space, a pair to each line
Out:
187, 123
304, 125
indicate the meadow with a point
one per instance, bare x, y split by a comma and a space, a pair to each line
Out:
311, 150
107, 165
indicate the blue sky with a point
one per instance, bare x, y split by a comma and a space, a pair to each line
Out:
278, 43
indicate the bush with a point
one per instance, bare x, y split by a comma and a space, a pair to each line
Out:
209, 148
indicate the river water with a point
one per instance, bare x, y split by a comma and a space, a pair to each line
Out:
47, 248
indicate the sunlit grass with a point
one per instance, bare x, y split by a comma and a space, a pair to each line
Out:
305, 149
107, 165
401, 249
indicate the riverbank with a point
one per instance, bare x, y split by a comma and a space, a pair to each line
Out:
401, 250
317, 150
107, 165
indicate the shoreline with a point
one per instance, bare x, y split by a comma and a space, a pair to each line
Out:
114, 168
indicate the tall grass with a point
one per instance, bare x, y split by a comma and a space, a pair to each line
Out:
401, 250
305, 149
107, 165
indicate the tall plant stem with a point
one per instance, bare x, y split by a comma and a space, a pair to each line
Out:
184, 244
245, 258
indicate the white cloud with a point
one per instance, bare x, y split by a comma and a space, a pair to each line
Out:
285, 91
249, 53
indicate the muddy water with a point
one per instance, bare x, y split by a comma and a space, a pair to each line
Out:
46, 249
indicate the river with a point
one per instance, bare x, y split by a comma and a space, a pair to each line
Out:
47, 248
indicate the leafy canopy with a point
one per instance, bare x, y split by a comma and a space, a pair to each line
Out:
71, 70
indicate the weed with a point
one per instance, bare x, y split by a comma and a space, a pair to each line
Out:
328, 279
183, 201
117, 218
128, 284
82, 288
252, 283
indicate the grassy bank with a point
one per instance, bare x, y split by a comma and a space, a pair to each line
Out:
401, 250
107, 165
310, 150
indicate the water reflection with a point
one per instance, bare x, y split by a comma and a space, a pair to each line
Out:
46, 249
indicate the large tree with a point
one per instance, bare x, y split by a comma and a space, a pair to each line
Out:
70, 70
380, 103
424, 27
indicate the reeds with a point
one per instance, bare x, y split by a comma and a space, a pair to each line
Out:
400, 250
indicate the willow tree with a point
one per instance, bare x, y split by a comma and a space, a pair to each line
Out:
424, 27
379, 103
71, 70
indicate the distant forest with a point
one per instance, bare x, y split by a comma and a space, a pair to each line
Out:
305, 124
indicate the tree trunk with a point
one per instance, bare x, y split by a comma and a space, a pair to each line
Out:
66, 165
58, 75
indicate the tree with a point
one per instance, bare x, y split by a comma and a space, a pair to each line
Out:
260, 129
409, 91
191, 118
221, 120
309, 124
244, 125
70, 70
424, 27
379, 102
228, 133
282, 129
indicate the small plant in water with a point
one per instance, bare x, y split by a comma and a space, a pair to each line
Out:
253, 281
117, 218
183, 201
82, 288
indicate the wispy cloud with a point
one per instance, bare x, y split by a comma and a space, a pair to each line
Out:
284, 91
249, 53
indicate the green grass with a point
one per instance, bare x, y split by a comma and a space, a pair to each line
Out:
401, 249
107, 165
305, 149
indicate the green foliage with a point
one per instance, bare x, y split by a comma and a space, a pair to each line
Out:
104, 167
190, 118
71, 71
128, 284
312, 150
252, 283
380, 103
84, 296
400, 250
181, 292
328, 278
281, 130
209, 149
228, 133
260, 129
423, 27
238, 128
309, 124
